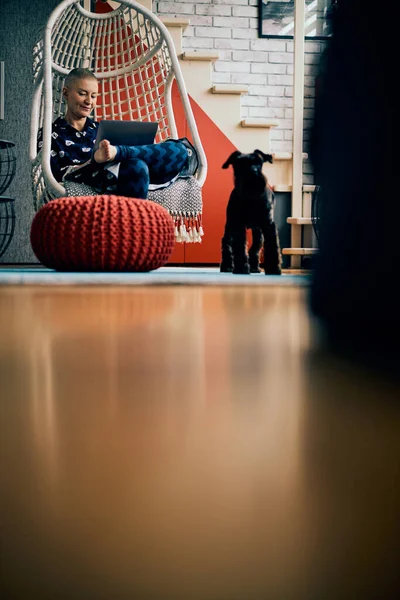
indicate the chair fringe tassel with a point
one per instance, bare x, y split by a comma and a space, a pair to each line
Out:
188, 228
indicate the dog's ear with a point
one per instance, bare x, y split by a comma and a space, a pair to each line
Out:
266, 157
231, 159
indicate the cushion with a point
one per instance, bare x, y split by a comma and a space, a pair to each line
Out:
102, 233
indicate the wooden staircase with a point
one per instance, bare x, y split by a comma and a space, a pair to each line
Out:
222, 102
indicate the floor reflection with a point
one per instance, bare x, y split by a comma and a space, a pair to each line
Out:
198, 434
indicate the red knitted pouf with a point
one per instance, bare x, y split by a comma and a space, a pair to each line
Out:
102, 233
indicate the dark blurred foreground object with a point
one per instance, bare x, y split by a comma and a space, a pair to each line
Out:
353, 291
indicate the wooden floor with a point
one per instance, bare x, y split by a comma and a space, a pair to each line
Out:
190, 443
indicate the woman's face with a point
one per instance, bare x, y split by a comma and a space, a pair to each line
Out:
81, 97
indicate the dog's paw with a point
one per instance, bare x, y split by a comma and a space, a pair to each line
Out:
274, 272
225, 268
244, 270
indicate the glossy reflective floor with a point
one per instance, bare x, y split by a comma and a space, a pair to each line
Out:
190, 443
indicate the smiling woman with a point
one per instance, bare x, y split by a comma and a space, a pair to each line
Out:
80, 91
124, 170
74, 135
276, 18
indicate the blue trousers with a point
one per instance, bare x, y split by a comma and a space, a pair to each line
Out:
153, 163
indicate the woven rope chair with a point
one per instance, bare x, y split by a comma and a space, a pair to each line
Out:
132, 54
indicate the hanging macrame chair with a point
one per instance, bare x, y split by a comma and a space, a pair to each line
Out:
132, 54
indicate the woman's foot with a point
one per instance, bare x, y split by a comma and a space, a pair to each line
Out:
105, 152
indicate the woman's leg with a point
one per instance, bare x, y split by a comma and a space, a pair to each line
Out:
133, 178
165, 160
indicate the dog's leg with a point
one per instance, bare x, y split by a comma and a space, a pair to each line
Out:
239, 248
254, 252
272, 251
226, 265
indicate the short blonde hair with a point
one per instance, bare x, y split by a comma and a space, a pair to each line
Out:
77, 74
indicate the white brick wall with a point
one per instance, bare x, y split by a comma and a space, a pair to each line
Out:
265, 65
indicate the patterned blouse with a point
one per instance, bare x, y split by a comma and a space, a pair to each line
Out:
68, 145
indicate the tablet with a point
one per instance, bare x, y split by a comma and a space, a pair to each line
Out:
126, 133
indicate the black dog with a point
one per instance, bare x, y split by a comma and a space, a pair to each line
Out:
250, 206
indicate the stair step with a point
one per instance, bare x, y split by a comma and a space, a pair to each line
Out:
205, 55
300, 271
300, 251
299, 221
280, 187
282, 155
229, 88
176, 22
261, 123
287, 156
176, 26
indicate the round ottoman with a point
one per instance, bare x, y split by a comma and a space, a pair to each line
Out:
102, 233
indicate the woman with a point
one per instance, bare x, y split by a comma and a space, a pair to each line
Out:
125, 170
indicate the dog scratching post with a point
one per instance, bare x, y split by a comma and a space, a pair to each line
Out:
298, 105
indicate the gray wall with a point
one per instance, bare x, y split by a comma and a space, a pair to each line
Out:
19, 25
